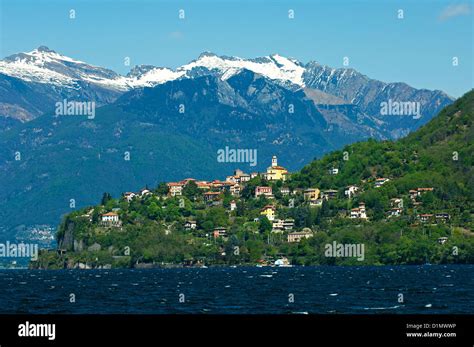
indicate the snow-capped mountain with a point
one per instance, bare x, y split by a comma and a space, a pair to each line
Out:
43, 65
33, 81
30, 84
284, 71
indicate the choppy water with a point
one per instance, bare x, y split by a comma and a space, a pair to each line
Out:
363, 290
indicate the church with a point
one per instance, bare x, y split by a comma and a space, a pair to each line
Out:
276, 172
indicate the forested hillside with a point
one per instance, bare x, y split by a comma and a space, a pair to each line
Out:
418, 194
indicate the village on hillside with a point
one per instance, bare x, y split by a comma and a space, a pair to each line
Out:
213, 193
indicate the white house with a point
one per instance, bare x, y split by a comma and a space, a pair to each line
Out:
288, 224
380, 182
233, 179
110, 219
426, 217
442, 240
299, 235
129, 196
145, 192
359, 212
244, 178
317, 202
277, 226
235, 189
350, 191
175, 189
443, 217
190, 225
395, 212
281, 225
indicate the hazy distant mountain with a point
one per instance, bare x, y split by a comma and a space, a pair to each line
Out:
357, 89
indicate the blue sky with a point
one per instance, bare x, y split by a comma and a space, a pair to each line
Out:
417, 50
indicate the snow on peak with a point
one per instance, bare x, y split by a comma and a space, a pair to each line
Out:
44, 65
31, 67
274, 67
42, 55
156, 75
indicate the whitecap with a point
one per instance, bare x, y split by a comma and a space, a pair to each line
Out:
382, 308
334, 294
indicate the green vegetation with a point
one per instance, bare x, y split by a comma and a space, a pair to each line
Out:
440, 155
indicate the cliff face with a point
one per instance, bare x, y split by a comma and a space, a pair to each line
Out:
66, 241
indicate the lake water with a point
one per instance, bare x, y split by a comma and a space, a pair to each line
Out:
243, 290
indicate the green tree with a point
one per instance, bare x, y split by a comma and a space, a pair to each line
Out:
191, 190
105, 198
265, 225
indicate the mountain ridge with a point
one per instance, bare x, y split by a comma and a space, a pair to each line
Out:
43, 65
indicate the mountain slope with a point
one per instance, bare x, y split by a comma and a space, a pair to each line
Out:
440, 154
368, 94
